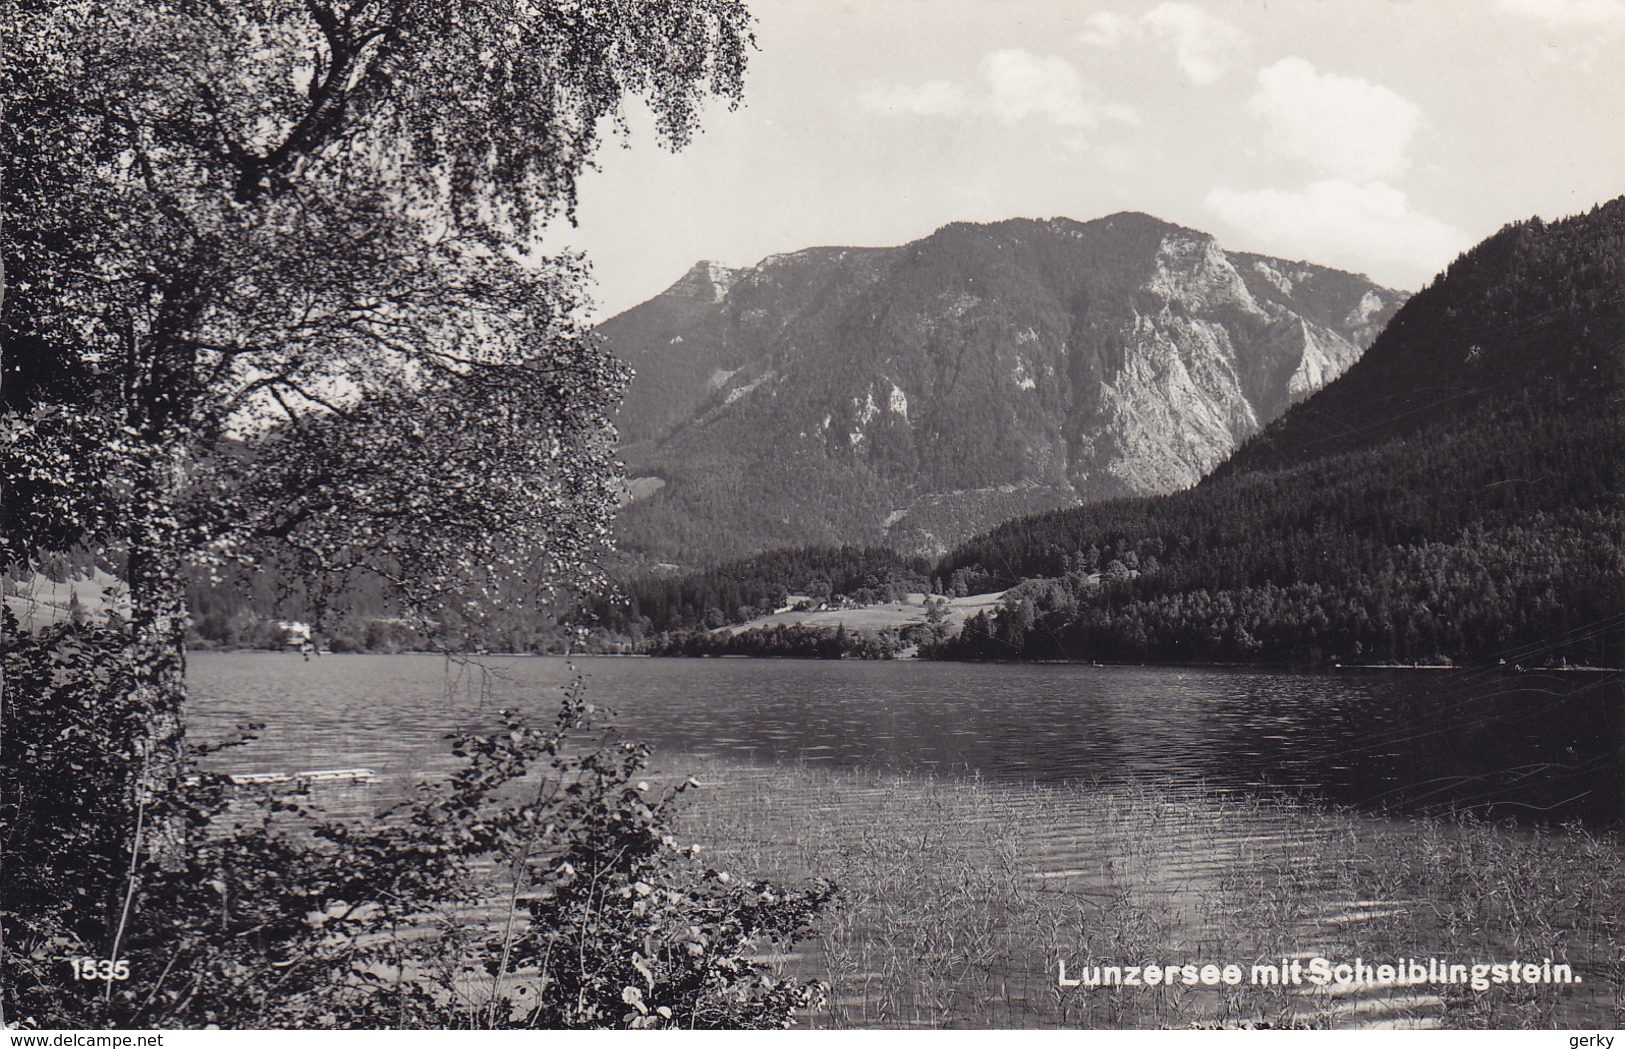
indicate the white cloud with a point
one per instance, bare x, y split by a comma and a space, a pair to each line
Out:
1109, 29
1341, 125
1205, 45
1015, 85
1371, 225
1577, 32
934, 98
1022, 84
1569, 14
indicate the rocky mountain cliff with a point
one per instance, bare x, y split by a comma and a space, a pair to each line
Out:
1458, 496
914, 395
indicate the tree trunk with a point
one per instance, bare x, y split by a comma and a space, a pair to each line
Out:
158, 636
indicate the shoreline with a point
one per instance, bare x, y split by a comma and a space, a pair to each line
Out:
1271, 667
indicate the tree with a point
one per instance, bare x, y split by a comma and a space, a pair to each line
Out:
275, 284
273, 277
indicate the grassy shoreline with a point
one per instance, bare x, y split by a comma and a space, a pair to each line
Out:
960, 897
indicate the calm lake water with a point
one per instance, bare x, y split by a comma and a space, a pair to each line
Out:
1067, 812
1532, 746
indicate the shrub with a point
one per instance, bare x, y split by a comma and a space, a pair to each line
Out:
67, 755
536, 886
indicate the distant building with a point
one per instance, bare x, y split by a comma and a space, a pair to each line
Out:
295, 634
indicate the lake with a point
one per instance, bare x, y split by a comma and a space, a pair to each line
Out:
1528, 746
989, 822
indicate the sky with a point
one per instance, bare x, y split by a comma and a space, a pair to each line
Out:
1378, 136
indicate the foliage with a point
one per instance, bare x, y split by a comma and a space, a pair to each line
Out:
276, 289
787, 640
758, 585
537, 886
65, 834
274, 267
276, 281
236, 611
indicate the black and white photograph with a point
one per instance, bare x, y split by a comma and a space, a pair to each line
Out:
902, 515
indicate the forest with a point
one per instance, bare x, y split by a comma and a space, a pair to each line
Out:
1455, 498
786, 641
753, 586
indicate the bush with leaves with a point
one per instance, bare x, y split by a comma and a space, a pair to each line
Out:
65, 748
536, 886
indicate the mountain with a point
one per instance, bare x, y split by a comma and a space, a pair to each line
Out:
912, 396
1458, 495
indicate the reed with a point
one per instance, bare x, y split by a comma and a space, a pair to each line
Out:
959, 898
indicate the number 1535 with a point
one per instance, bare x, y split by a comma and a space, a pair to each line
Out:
100, 968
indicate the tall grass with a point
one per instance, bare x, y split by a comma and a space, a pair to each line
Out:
959, 898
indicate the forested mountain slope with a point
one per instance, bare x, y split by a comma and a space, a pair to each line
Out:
1456, 495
